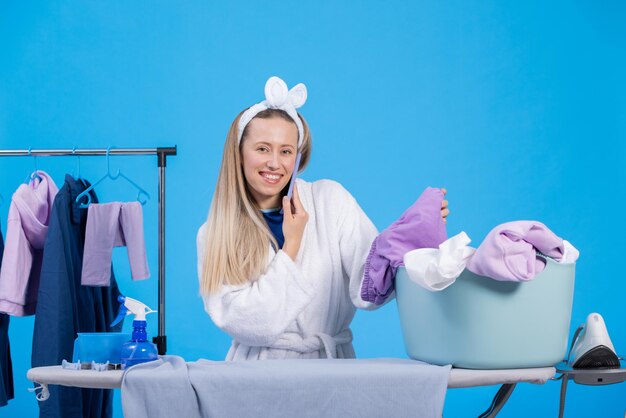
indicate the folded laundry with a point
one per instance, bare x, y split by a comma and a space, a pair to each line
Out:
112, 225
420, 226
437, 268
509, 252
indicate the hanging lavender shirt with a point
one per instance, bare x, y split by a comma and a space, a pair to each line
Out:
112, 225
27, 229
420, 226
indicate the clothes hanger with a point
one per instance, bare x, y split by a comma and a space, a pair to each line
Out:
142, 195
76, 174
34, 175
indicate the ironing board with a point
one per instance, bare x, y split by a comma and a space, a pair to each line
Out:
459, 378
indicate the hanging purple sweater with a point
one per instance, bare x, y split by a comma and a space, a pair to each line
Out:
27, 229
420, 226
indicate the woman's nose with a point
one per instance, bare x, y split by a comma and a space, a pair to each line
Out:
272, 162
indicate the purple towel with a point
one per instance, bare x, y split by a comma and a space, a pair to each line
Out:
112, 225
420, 226
509, 252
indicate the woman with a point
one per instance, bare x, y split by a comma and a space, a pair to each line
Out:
281, 285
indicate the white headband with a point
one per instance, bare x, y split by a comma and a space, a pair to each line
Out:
277, 96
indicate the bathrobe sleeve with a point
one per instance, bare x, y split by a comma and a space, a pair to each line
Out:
257, 313
356, 234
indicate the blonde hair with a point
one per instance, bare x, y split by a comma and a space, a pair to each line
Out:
237, 236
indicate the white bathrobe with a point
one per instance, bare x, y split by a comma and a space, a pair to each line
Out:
301, 309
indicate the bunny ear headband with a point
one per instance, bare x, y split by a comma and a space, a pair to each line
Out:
277, 96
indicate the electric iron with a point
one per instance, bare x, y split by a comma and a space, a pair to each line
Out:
591, 346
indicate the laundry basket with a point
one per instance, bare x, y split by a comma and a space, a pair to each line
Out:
481, 323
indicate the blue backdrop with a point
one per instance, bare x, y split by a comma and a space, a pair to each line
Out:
519, 109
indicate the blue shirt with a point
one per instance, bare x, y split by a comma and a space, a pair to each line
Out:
65, 307
6, 368
274, 220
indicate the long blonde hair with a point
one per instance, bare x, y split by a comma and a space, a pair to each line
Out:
237, 236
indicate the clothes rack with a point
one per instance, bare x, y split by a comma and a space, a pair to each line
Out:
162, 153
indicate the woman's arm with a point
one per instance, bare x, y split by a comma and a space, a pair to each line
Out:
257, 313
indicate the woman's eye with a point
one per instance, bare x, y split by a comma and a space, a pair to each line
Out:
287, 151
263, 149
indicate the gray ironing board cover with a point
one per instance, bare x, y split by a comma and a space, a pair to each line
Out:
459, 378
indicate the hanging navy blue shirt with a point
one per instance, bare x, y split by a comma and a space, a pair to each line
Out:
6, 369
274, 220
64, 307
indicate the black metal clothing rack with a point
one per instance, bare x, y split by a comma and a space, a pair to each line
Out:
162, 154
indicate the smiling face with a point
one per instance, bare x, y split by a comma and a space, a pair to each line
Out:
268, 153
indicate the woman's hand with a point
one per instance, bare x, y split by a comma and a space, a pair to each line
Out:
294, 221
444, 207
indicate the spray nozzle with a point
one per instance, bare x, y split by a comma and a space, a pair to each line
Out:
128, 306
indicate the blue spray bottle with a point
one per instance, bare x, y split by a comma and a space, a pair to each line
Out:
138, 349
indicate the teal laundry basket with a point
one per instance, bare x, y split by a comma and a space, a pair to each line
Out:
481, 323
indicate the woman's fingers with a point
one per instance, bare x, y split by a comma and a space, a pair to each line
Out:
444, 206
296, 200
444, 215
286, 207
294, 223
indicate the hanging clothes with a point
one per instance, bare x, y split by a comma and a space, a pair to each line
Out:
6, 368
27, 228
109, 225
65, 308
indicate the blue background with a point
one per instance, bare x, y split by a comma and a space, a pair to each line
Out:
519, 109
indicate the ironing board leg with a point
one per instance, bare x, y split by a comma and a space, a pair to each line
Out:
562, 400
499, 400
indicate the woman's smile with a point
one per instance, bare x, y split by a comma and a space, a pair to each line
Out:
271, 178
